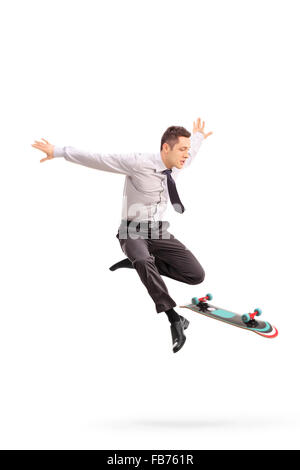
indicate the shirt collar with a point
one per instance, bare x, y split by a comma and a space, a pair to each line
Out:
158, 163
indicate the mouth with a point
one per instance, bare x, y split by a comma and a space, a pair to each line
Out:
182, 162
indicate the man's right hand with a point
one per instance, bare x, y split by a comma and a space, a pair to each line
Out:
44, 147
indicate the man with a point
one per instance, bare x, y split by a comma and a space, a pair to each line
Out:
143, 234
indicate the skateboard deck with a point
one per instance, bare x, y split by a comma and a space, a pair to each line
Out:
246, 321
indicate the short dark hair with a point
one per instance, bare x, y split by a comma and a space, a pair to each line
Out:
171, 135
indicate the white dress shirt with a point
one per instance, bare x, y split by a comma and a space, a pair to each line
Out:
145, 194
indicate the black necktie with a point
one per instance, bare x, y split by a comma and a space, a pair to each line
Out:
177, 204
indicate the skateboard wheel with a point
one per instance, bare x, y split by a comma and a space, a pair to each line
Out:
209, 296
195, 300
258, 311
246, 317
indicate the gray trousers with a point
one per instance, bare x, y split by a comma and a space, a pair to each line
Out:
157, 252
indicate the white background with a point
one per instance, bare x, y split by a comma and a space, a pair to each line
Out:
86, 363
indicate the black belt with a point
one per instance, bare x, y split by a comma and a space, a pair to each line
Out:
145, 223
147, 227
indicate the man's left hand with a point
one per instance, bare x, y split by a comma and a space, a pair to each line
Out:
199, 127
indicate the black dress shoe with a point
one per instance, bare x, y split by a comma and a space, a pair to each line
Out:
178, 336
184, 321
125, 263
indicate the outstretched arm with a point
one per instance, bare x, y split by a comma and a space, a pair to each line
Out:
123, 164
196, 140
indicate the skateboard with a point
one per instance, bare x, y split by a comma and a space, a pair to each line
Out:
246, 321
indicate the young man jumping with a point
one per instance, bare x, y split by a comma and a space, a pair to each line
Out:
143, 235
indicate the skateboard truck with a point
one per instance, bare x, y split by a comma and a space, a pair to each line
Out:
201, 302
249, 318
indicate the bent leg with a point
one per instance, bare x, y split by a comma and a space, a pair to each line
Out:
174, 260
138, 252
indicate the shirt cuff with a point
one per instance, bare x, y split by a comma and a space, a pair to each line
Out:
199, 135
58, 152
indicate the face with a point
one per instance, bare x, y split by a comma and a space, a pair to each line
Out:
178, 155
